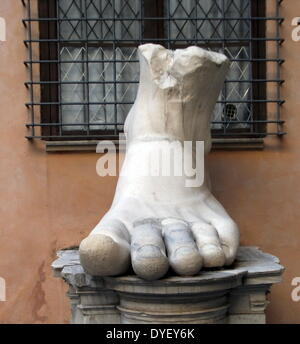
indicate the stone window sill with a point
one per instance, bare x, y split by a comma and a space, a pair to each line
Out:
90, 146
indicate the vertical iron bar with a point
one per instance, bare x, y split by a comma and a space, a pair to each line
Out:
225, 86
169, 34
32, 110
103, 85
58, 29
251, 64
83, 58
196, 21
278, 74
114, 66
141, 22
87, 79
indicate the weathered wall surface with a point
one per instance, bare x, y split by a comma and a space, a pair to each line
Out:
50, 201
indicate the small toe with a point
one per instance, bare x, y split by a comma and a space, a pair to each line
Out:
186, 261
183, 254
149, 262
213, 256
229, 238
209, 245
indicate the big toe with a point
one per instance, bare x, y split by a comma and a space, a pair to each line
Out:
100, 255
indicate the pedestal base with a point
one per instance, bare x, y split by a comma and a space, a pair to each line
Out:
237, 295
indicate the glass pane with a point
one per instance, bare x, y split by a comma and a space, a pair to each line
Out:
121, 19
103, 90
237, 90
180, 26
109, 68
211, 22
127, 26
100, 29
104, 70
127, 73
72, 92
71, 29
212, 27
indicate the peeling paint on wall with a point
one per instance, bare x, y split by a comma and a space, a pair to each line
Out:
2, 29
2, 290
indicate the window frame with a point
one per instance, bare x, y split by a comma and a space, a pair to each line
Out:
50, 113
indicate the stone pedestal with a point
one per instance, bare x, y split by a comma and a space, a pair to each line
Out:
236, 296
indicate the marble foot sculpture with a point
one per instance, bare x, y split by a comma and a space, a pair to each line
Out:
159, 222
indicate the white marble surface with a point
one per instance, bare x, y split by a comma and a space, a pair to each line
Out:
184, 227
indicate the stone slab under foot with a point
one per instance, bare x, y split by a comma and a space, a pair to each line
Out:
233, 295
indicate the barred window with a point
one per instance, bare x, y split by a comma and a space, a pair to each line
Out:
84, 70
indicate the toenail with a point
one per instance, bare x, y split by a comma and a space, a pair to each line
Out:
210, 247
147, 221
149, 251
184, 251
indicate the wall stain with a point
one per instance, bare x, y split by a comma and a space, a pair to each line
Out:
38, 295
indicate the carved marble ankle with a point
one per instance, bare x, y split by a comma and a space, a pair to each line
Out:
158, 222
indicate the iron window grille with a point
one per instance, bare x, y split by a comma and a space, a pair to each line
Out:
83, 67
